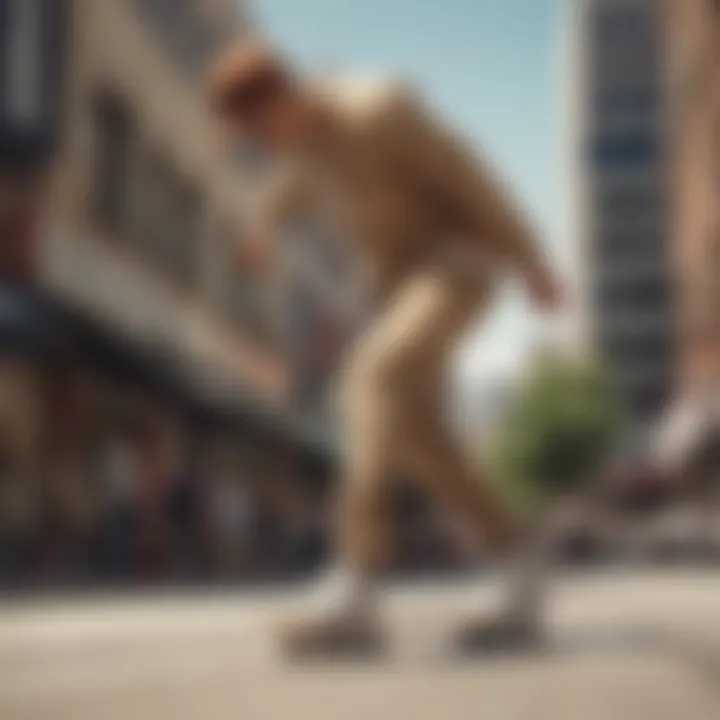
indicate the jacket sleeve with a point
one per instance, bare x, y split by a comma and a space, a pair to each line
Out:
281, 199
457, 180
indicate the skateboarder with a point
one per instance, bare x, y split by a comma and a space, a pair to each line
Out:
435, 235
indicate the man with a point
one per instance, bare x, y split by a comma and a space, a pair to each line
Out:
434, 234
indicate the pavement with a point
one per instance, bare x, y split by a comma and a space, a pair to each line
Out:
623, 646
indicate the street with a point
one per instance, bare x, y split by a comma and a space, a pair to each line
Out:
624, 646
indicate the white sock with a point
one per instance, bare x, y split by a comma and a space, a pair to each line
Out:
343, 588
528, 580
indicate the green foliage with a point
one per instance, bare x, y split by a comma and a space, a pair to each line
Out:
561, 426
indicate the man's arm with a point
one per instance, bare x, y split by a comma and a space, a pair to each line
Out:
463, 184
279, 201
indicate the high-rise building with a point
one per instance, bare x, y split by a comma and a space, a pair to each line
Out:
619, 190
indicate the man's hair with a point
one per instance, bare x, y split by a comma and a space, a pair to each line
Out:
246, 76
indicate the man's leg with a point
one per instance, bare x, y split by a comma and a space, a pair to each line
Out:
441, 465
388, 381
347, 619
431, 315
386, 389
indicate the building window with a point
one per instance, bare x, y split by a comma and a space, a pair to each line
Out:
634, 349
628, 203
626, 102
185, 243
641, 294
32, 39
628, 244
627, 61
624, 150
176, 230
112, 137
23, 55
235, 291
625, 30
145, 201
166, 217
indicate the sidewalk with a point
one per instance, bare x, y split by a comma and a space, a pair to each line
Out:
623, 647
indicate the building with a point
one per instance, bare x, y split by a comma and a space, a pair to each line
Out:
32, 43
144, 208
32, 38
687, 439
618, 195
140, 363
693, 37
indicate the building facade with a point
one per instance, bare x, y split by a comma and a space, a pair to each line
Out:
146, 204
163, 407
693, 37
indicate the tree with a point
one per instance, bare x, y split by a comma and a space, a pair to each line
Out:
561, 425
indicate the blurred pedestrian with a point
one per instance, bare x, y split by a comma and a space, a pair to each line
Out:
72, 519
19, 518
231, 518
185, 516
119, 479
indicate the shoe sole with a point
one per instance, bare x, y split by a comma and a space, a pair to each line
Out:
499, 643
347, 648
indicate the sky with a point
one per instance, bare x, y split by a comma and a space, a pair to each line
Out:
491, 66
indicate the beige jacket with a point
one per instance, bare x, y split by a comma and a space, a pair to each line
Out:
401, 186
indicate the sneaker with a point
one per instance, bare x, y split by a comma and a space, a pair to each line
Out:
499, 634
339, 634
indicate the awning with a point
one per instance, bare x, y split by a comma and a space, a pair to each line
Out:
27, 323
86, 275
38, 323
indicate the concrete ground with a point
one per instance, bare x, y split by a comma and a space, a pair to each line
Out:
623, 646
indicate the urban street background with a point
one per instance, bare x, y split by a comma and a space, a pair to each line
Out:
168, 435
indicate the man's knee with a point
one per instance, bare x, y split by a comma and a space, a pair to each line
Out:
381, 372
364, 491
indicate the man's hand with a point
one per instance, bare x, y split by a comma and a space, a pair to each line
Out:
545, 290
